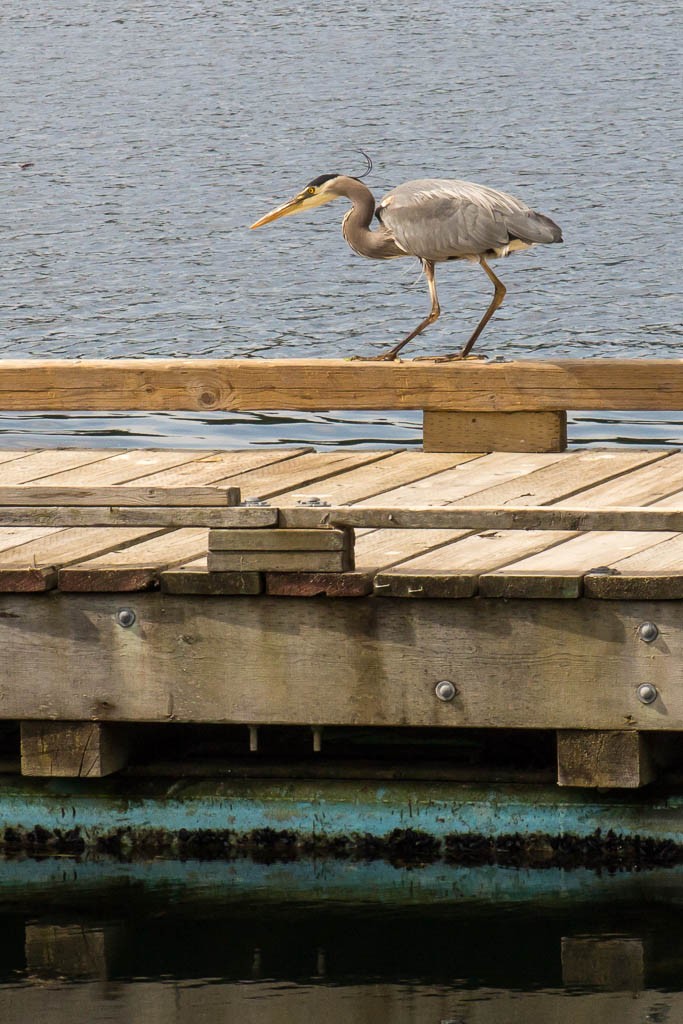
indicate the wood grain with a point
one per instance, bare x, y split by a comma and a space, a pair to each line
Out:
516, 664
71, 749
610, 759
494, 431
307, 384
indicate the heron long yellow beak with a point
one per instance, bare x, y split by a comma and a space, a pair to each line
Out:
293, 206
304, 201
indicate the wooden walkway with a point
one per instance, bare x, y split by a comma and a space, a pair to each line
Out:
411, 563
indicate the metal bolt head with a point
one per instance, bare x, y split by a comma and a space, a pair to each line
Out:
125, 617
648, 632
445, 690
314, 501
647, 693
253, 502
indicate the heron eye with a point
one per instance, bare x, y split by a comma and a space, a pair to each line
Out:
311, 191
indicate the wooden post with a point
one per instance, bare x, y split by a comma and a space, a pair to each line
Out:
494, 431
597, 758
71, 749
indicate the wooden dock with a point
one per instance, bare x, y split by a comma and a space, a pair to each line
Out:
446, 589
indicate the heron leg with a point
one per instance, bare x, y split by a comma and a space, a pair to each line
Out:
496, 301
433, 315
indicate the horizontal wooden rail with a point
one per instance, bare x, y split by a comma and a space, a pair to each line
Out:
315, 384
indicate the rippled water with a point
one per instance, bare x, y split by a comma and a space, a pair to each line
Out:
141, 139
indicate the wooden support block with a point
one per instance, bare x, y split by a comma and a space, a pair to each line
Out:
280, 561
494, 431
595, 758
71, 749
610, 964
312, 550
280, 540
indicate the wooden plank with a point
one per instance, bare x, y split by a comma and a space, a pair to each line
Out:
137, 567
169, 516
71, 749
279, 540
552, 517
453, 571
319, 584
194, 578
598, 758
495, 431
219, 468
124, 494
558, 572
654, 573
38, 464
303, 473
123, 467
206, 384
570, 665
18, 565
280, 561
399, 469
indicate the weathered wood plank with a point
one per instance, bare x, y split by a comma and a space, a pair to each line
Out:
281, 561
205, 384
73, 516
654, 573
279, 540
38, 464
136, 567
552, 517
33, 566
122, 467
195, 578
319, 584
71, 749
124, 494
494, 431
598, 758
558, 572
304, 473
454, 571
570, 665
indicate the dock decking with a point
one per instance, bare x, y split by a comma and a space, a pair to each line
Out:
533, 628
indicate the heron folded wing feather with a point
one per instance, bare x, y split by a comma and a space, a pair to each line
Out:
533, 227
443, 228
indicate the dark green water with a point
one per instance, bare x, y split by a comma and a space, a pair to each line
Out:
275, 943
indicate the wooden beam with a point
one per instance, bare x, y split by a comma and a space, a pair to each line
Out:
121, 515
71, 749
206, 384
522, 517
598, 758
348, 661
494, 431
123, 494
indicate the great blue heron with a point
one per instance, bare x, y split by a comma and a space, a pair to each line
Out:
434, 219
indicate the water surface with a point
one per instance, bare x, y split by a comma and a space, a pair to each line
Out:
142, 139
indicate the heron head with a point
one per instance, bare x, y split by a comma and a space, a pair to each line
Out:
320, 190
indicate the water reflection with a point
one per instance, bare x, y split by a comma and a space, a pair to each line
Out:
198, 942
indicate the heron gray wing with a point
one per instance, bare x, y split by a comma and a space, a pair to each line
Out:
443, 229
441, 219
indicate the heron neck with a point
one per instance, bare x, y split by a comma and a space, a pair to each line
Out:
356, 223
